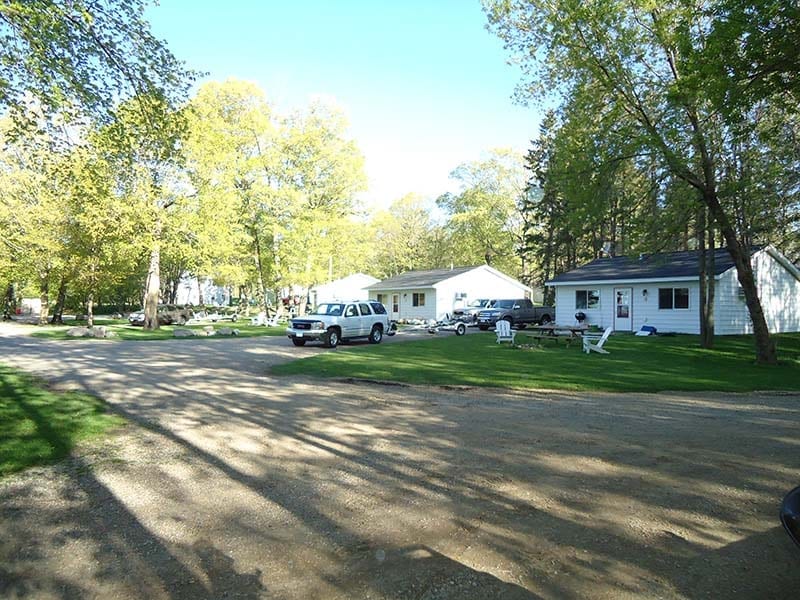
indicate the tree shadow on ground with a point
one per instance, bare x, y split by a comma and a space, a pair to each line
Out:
563, 495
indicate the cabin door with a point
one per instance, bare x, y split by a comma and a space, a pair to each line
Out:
623, 319
395, 307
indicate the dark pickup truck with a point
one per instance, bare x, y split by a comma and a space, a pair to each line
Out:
519, 313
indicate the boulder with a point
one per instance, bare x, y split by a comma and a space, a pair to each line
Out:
227, 331
182, 333
79, 332
98, 332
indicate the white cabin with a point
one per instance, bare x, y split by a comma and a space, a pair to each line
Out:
662, 290
436, 293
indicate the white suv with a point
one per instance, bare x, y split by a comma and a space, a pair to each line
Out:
332, 322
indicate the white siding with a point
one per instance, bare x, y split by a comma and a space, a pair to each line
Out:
644, 308
407, 308
351, 287
478, 283
778, 290
730, 312
780, 294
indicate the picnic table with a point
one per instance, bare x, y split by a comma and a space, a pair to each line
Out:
553, 331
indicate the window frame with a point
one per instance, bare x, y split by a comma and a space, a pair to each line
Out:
586, 295
418, 299
673, 297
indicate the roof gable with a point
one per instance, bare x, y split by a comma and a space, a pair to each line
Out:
650, 266
419, 279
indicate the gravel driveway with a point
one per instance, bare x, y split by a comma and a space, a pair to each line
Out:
230, 483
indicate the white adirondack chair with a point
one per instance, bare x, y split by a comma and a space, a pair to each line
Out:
594, 343
259, 319
504, 332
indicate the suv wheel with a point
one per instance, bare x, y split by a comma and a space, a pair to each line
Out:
298, 341
376, 335
332, 339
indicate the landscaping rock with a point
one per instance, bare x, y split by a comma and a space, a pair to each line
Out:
228, 331
79, 332
98, 332
179, 333
207, 330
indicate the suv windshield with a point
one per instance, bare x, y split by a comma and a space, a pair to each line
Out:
328, 309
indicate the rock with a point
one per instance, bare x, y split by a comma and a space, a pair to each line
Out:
228, 331
98, 332
182, 333
79, 332
207, 330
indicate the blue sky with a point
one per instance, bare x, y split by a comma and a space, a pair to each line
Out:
424, 85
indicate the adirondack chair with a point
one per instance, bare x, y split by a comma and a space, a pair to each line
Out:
259, 319
504, 332
594, 343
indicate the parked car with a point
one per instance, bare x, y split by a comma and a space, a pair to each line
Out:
333, 322
518, 312
469, 314
168, 314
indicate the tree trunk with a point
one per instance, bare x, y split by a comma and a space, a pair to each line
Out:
765, 345
711, 286
44, 297
200, 300
90, 310
58, 311
262, 289
153, 284
702, 274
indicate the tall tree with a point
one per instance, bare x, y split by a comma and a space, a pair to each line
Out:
483, 218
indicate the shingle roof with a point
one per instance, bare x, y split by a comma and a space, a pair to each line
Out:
418, 279
649, 266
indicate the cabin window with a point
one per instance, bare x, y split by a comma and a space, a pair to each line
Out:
418, 299
382, 298
587, 298
673, 298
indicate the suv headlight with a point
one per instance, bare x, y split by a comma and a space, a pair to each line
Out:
318, 325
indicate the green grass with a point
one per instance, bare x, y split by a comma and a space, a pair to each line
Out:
128, 332
635, 364
38, 426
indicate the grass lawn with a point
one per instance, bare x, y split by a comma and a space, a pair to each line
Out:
38, 426
125, 331
635, 364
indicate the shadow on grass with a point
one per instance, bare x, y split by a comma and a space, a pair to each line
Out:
635, 364
39, 427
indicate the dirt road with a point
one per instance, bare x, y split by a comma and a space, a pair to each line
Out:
230, 483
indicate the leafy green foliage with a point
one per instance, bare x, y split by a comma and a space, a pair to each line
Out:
78, 56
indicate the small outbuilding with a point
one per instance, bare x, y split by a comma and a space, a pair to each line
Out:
662, 291
435, 293
352, 287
